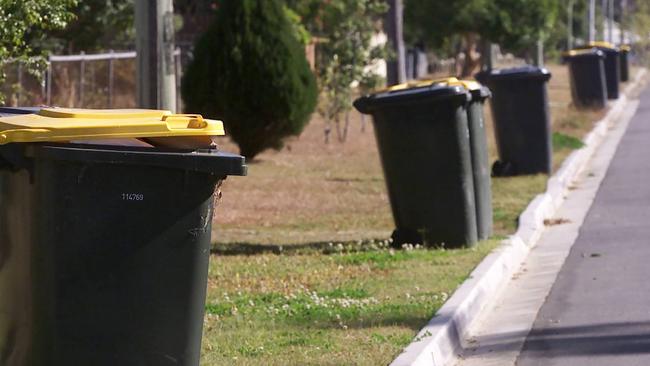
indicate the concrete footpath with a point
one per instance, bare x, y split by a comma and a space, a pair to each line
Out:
598, 311
585, 288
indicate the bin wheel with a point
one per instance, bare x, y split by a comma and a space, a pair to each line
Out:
405, 236
502, 169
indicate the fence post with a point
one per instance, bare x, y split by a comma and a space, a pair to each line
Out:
82, 67
110, 81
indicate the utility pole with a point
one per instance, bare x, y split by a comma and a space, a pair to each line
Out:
622, 23
156, 80
539, 52
396, 68
569, 27
592, 20
610, 22
603, 13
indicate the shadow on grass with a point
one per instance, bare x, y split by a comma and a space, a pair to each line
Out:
301, 248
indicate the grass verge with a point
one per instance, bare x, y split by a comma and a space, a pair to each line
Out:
302, 273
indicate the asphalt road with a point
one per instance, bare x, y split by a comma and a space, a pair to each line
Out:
598, 310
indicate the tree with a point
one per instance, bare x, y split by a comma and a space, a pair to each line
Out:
641, 29
26, 20
514, 24
249, 69
99, 25
347, 53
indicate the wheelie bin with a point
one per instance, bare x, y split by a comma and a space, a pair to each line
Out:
104, 244
625, 62
587, 78
424, 144
522, 121
612, 66
480, 160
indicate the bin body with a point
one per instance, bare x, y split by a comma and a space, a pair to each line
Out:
104, 253
424, 146
612, 66
625, 63
522, 123
612, 71
587, 77
480, 162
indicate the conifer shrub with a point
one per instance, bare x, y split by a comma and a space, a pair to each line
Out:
249, 70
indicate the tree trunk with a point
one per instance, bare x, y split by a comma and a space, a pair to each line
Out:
458, 49
342, 134
472, 56
328, 126
487, 53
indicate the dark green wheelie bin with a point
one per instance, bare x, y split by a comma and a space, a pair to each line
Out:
480, 159
612, 66
104, 244
424, 145
522, 121
587, 78
625, 62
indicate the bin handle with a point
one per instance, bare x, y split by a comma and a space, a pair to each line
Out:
183, 121
19, 134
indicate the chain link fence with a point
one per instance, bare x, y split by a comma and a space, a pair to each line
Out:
104, 80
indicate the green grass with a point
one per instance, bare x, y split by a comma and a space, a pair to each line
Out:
358, 306
563, 142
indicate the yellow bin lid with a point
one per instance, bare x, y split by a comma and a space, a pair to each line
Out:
451, 81
425, 82
601, 44
62, 124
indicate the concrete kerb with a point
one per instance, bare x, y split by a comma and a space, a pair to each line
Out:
438, 343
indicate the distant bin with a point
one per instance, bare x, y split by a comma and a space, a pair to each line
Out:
587, 78
625, 63
612, 66
522, 122
424, 144
104, 248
